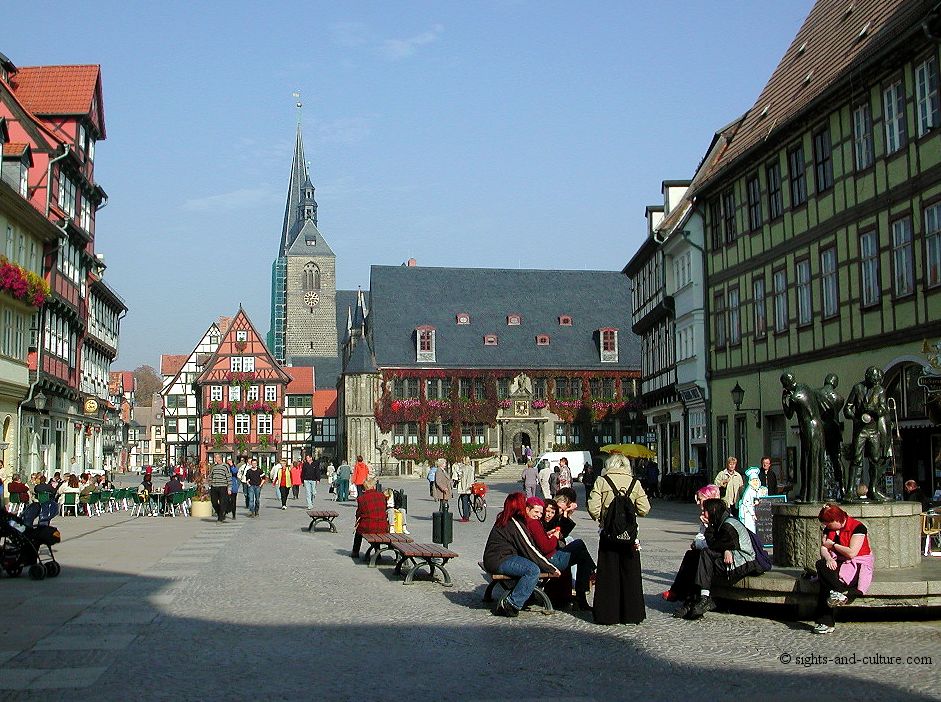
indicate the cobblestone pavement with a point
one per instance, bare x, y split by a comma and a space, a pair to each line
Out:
182, 609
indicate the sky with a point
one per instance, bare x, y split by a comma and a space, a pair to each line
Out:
511, 134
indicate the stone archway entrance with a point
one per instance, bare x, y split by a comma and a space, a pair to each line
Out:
521, 440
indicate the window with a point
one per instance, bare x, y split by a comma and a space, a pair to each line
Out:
902, 257
761, 311
464, 388
926, 95
310, 277
797, 175
609, 345
243, 423
67, 195
235, 364
754, 203
235, 393
565, 320
721, 322
823, 160
735, 326
241, 335
439, 434
215, 393
473, 434
780, 300
248, 364
683, 270
513, 320
480, 391
264, 424
503, 388
722, 432
893, 109
539, 388
715, 224
828, 282
271, 393
425, 344
220, 424
542, 340
869, 268
568, 434
728, 215
252, 393
933, 245
804, 312
775, 197
299, 401
862, 137
490, 340
463, 318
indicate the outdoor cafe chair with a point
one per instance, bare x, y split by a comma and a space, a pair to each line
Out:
177, 499
93, 506
105, 500
16, 505
70, 502
140, 504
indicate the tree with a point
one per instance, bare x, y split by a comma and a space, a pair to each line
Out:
148, 382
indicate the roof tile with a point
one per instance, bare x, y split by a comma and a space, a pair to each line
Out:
56, 90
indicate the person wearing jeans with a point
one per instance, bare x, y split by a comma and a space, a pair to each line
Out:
255, 478
511, 551
310, 476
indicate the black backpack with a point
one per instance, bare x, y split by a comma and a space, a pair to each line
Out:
620, 519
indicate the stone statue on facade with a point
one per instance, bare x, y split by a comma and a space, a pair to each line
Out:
521, 385
831, 405
802, 400
872, 437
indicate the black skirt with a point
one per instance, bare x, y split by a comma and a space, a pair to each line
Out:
619, 593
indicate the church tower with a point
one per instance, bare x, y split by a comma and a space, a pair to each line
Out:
303, 288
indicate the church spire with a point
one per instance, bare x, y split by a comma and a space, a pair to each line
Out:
300, 203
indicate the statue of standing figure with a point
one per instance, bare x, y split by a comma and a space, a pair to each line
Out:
831, 404
802, 400
872, 438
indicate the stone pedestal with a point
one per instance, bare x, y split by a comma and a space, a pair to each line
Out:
894, 533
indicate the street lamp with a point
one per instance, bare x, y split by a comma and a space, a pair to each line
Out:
39, 401
738, 395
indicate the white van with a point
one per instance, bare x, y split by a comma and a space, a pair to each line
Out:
577, 460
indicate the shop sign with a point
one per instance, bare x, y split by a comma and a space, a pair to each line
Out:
91, 406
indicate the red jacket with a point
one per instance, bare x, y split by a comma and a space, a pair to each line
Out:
360, 473
371, 516
547, 545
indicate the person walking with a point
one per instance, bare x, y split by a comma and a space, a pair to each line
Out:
730, 482
619, 594
219, 477
464, 475
296, 479
344, 472
544, 472
283, 481
530, 480
310, 476
565, 474
360, 473
443, 483
255, 478
242, 467
235, 484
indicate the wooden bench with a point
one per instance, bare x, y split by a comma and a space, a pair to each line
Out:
382, 542
508, 582
417, 556
322, 517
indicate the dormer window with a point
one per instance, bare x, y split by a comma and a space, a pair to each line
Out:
463, 318
241, 335
490, 340
513, 320
542, 340
609, 345
310, 239
565, 320
425, 344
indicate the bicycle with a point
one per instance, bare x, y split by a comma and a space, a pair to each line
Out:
478, 501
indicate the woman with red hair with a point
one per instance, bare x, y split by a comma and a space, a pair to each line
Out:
511, 551
845, 567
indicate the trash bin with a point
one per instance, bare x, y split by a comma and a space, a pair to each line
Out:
442, 527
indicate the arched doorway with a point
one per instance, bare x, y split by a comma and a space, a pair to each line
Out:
521, 441
918, 418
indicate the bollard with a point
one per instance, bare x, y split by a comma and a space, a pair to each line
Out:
442, 528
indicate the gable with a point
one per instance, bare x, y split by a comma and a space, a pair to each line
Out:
241, 339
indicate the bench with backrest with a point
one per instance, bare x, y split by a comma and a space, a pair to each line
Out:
508, 582
320, 516
415, 556
382, 542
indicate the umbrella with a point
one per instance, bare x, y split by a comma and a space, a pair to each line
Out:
629, 450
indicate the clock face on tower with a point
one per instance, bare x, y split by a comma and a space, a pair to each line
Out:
312, 298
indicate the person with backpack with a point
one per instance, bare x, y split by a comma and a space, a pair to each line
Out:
729, 556
616, 501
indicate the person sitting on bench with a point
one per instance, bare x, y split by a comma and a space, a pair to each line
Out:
371, 516
510, 551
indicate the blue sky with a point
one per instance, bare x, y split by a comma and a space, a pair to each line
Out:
509, 134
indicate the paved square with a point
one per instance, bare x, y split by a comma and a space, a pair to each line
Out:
262, 609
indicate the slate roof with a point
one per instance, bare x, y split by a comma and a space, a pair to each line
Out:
836, 39
299, 246
403, 298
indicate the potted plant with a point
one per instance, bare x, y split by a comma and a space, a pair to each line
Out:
201, 507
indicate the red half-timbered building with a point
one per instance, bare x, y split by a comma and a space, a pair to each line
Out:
242, 393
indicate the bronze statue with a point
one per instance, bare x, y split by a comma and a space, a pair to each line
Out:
800, 399
872, 438
831, 403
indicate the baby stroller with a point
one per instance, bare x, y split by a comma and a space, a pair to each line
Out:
23, 545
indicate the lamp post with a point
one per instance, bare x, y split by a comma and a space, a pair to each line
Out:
738, 396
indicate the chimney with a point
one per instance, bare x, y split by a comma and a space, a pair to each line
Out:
412, 263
